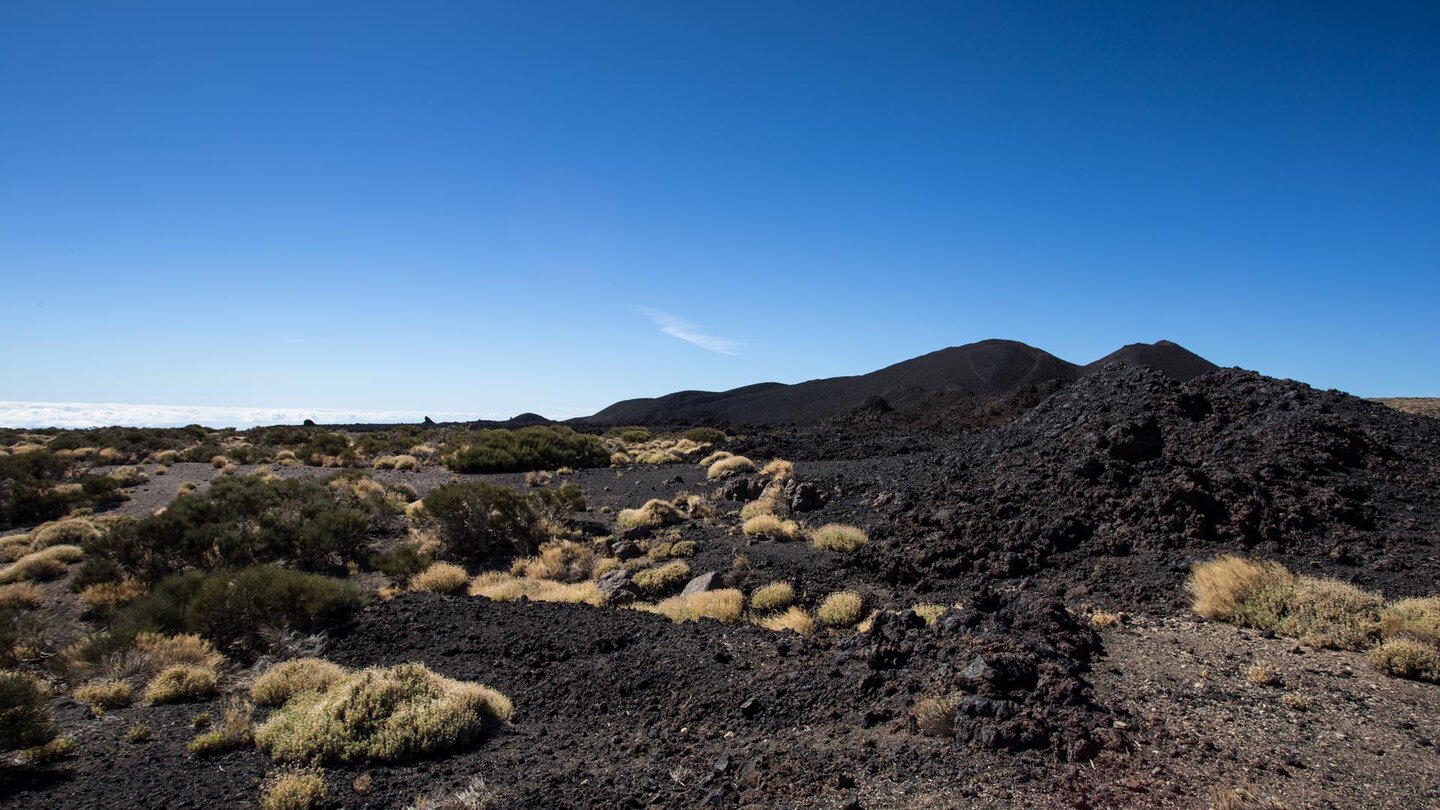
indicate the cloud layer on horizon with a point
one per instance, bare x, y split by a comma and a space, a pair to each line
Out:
96, 414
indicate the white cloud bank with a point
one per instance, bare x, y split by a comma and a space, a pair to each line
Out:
93, 414
686, 331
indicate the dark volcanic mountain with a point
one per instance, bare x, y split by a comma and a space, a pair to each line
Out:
976, 372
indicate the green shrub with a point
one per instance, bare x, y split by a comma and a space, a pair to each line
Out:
285, 680
479, 520
529, 448
245, 520
401, 563
381, 714
661, 578
705, 435
1407, 658
27, 489
24, 712
635, 435
234, 608
180, 683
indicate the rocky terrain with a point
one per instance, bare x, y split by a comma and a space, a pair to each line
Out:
1026, 565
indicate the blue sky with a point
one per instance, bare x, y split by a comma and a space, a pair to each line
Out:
547, 206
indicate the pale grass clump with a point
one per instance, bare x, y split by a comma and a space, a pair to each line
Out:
795, 620
929, 611
729, 466
725, 605
219, 462
164, 457
108, 596
1407, 658
440, 578
43, 565
381, 714
105, 694
718, 455
1242, 798
186, 649
112, 455
180, 683
773, 597
840, 609
292, 789
285, 680
161, 470
1261, 675
236, 729
20, 596
287, 458
653, 514
934, 716
772, 527
70, 532
778, 468
504, 587
400, 462
560, 560
1220, 587
654, 457
538, 478
619, 459
186, 487
661, 578
838, 537
670, 549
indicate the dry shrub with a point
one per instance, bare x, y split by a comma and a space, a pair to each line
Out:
236, 730
503, 587
112, 455
70, 532
840, 609
161, 470
934, 717
1102, 619
538, 478
1261, 675
560, 560
109, 596
41, 566
661, 578
186, 649
618, 459
1320, 612
400, 462
423, 451
285, 680
14, 546
772, 527
653, 514
105, 694
1416, 618
729, 466
1407, 658
186, 487
440, 578
180, 683
778, 468
718, 455
795, 620
165, 457
381, 714
219, 462
772, 597
1296, 701
1246, 798
838, 537
292, 789
20, 596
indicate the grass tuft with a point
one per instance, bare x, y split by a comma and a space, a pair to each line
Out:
838, 537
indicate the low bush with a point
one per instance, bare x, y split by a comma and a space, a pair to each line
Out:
41, 566
772, 527
235, 730
1417, 619
24, 711
705, 435
841, 609
285, 680
292, 789
440, 578
661, 578
401, 563
20, 596
180, 683
105, 694
729, 465
653, 514
110, 596
479, 520
561, 560
1320, 612
529, 448
837, 537
778, 468
381, 714
772, 597
69, 532
1407, 658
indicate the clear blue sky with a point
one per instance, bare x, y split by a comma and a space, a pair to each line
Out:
496, 207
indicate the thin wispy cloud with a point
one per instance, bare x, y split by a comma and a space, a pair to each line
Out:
689, 332
100, 414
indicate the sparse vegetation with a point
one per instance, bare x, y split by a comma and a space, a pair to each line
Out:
478, 520
795, 620
704, 435
441, 578
724, 605
729, 465
235, 730
138, 733
529, 448
773, 597
934, 717
20, 596
1407, 658
778, 468
772, 527
24, 711
1261, 675
505, 587
654, 513
180, 683
1102, 619
381, 714
105, 694
42, 566
285, 680
1319, 612
837, 537
662, 578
